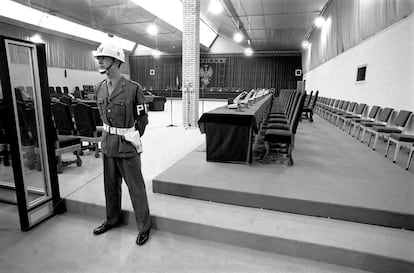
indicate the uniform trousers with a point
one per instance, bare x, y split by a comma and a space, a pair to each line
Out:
116, 168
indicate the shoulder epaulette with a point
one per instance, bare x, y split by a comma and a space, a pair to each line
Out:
98, 86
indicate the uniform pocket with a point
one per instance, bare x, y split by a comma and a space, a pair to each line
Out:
120, 107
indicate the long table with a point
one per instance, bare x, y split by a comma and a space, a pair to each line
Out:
229, 132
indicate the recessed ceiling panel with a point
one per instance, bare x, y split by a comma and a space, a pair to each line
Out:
273, 21
298, 20
256, 22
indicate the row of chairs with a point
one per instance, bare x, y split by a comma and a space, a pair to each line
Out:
80, 120
309, 105
281, 123
351, 117
58, 91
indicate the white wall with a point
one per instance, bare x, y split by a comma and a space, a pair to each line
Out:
74, 77
390, 72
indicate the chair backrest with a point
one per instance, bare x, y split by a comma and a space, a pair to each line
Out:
402, 118
345, 105
298, 112
29, 91
292, 107
361, 108
59, 90
84, 119
351, 107
385, 114
314, 99
62, 118
52, 91
65, 90
308, 98
374, 111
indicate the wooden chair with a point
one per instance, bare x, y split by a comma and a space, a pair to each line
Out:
307, 112
275, 137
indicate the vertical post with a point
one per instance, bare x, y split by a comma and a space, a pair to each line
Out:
191, 62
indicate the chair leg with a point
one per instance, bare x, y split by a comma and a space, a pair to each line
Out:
387, 148
397, 149
363, 135
375, 140
410, 157
267, 151
369, 138
290, 148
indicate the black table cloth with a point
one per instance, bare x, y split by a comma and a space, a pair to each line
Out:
229, 132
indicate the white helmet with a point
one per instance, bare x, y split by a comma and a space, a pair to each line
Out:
110, 50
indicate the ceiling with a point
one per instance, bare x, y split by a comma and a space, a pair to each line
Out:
271, 25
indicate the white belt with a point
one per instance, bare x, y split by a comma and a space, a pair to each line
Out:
117, 131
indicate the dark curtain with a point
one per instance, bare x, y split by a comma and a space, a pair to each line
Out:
262, 72
240, 71
167, 70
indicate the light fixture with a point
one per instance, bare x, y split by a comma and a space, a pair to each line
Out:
36, 39
22, 13
215, 7
237, 37
172, 13
248, 52
152, 29
319, 21
156, 54
305, 44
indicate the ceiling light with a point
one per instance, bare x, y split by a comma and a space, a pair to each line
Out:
305, 44
22, 13
156, 54
238, 37
152, 29
172, 13
248, 52
215, 7
36, 39
319, 21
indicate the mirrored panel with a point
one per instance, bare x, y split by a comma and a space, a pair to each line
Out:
28, 112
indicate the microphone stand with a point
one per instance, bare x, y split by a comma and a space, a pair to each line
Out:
171, 114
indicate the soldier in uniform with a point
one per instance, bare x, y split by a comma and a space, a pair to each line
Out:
122, 108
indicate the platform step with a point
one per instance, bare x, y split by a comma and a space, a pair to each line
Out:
361, 246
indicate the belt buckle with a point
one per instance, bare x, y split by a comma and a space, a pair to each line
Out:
112, 130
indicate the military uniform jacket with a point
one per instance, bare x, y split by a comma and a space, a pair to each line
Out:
124, 108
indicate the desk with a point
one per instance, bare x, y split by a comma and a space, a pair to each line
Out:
229, 132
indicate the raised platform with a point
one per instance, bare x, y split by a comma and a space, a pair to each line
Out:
334, 176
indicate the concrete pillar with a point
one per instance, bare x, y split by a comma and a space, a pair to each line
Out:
191, 62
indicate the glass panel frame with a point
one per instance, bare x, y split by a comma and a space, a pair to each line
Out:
39, 149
